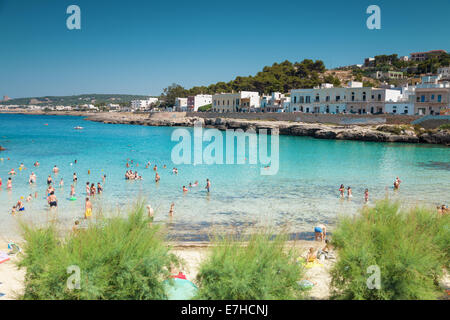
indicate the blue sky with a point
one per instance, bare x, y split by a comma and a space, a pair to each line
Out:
140, 47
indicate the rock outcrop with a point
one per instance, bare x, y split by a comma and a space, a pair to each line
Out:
384, 133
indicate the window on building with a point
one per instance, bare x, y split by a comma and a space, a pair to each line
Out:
422, 98
439, 98
308, 99
338, 98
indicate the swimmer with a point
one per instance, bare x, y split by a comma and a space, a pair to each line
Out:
61, 183
150, 212
72, 191
195, 183
55, 169
171, 209
104, 178
29, 198
1, 182
52, 201
12, 172
93, 190
157, 177
99, 188
36, 164
397, 183
88, 189
208, 185
9, 184
75, 178
155, 168
164, 166
185, 189
190, 185
349, 192
49, 180
341, 190
32, 178
366, 195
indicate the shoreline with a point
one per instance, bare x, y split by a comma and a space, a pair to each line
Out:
355, 132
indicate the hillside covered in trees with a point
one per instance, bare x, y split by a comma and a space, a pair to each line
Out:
280, 77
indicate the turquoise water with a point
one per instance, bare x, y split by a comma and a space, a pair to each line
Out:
303, 192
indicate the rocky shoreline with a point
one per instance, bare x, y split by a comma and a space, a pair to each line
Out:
376, 133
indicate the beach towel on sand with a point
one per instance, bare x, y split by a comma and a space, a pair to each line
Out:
3, 257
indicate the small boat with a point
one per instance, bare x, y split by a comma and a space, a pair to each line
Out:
78, 128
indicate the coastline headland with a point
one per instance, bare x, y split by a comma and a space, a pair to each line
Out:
376, 128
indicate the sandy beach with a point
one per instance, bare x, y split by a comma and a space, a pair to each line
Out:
191, 255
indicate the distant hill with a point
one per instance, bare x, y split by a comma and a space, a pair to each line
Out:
75, 100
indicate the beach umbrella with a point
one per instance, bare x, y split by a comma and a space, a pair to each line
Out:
180, 289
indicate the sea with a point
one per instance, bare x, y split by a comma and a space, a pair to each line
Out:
302, 193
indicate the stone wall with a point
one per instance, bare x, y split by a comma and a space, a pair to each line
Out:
341, 119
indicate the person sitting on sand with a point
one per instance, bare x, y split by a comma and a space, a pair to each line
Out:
76, 225
19, 206
311, 256
13, 210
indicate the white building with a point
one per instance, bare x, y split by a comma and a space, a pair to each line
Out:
352, 99
244, 101
200, 100
143, 105
274, 103
180, 104
444, 72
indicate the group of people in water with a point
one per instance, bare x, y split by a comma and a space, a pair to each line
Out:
397, 182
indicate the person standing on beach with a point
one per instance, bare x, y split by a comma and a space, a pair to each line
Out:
208, 185
88, 209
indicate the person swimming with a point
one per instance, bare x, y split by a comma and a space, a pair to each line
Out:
349, 192
185, 189
366, 195
208, 185
157, 177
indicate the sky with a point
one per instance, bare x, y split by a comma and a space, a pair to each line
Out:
141, 47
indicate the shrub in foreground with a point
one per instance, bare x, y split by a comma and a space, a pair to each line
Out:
118, 259
262, 267
410, 247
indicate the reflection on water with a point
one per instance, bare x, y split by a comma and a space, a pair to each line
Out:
435, 165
